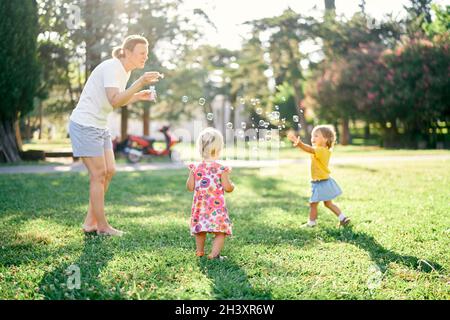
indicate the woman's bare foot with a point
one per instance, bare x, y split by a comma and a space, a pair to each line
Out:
88, 228
110, 231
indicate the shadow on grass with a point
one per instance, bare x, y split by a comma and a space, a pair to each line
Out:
381, 256
230, 280
96, 254
355, 167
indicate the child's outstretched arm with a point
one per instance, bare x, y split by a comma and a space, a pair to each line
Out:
298, 143
190, 183
228, 186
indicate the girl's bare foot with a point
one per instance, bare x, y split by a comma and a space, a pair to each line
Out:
110, 231
218, 257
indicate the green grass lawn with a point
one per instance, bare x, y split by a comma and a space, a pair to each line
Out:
397, 247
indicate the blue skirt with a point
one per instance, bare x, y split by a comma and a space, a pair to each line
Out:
324, 190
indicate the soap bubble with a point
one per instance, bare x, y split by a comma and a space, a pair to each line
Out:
201, 101
259, 111
295, 118
277, 108
262, 123
210, 116
185, 99
243, 125
229, 125
242, 101
275, 115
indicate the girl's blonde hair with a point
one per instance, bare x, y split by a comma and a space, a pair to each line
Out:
210, 143
328, 133
129, 43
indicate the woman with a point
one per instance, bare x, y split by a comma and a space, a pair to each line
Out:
91, 140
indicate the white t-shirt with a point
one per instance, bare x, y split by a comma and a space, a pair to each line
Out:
93, 108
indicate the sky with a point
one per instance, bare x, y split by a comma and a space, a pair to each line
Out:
228, 15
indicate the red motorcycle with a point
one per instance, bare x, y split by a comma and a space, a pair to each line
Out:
135, 148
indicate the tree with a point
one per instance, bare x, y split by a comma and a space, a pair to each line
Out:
287, 31
416, 94
418, 14
441, 24
340, 38
419, 9
19, 77
330, 5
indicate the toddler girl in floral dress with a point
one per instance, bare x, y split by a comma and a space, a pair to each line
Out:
209, 180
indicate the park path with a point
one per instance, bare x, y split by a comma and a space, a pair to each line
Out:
79, 167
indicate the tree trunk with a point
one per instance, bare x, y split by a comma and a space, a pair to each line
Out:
367, 131
298, 95
18, 135
330, 8
345, 137
8, 145
124, 123
40, 120
390, 139
93, 56
28, 129
146, 121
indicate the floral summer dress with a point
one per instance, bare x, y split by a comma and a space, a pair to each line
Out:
209, 212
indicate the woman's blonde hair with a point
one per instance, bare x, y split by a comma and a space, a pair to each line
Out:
328, 133
129, 43
210, 143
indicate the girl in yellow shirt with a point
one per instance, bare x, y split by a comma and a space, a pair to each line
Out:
324, 188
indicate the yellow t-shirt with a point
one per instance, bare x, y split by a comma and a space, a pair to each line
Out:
319, 163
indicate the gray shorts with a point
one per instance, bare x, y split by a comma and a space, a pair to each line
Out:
89, 141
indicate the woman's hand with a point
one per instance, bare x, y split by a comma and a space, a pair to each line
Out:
150, 78
145, 95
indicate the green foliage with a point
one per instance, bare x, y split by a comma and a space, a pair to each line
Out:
20, 70
441, 24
